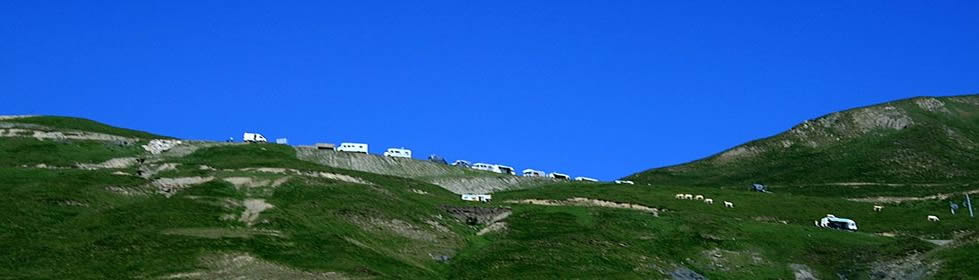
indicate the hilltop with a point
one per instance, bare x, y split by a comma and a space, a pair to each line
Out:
86, 200
887, 148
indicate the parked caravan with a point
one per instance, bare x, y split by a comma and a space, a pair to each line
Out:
253, 138
560, 176
477, 197
462, 163
831, 221
353, 147
585, 179
533, 173
398, 152
496, 168
627, 182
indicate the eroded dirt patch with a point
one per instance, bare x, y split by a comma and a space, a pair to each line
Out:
253, 207
170, 186
244, 266
314, 174
588, 202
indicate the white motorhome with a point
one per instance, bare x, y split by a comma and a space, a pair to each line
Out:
585, 179
559, 176
496, 168
253, 138
627, 182
477, 197
533, 173
398, 152
352, 147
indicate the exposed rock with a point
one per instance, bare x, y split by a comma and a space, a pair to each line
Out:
253, 207
494, 227
683, 273
246, 267
802, 272
170, 186
911, 267
157, 146
478, 215
931, 104
115, 163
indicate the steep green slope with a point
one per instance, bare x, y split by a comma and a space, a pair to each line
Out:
917, 142
79, 124
766, 236
229, 211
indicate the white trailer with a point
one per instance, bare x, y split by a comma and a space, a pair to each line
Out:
560, 176
495, 168
533, 173
831, 221
585, 179
627, 182
253, 138
352, 148
477, 197
398, 152
283, 141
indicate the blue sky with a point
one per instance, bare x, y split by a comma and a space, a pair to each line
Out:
590, 88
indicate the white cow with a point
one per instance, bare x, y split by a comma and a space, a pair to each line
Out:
687, 196
679, 196
932, 218
728, 204
878, 208
709, 201
699, 197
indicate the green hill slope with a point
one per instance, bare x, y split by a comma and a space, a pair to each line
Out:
925, 142
101, 207
54, 123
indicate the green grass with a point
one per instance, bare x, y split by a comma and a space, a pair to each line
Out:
938, 148
17, 151
71, 123
587, 242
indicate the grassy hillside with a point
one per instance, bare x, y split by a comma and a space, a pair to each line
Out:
206, 210
761, 238
79, 124
924, 141
314, 222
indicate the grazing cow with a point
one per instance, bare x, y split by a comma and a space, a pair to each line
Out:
709, 201
687, 196
728, 204
679, 196
878, 208
932, 218
699, 197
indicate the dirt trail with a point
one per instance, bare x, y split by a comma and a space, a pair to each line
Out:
315, 174
898, 199
244, 267
58, 135
169, 186
250, 182
580, 201
115, 163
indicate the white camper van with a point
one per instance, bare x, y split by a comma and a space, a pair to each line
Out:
352, 147
477, 197
532, 173
559, 176
496, 168
398, 152
585, 179
253, 138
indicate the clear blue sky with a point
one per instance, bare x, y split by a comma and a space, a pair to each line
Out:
590, 88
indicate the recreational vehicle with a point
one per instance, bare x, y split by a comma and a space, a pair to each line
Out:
585, 179
559, 176
254, 138
496, 168
831, 221
477, 197
398, 152
353, 147
533, 173
462, 163
627, 182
